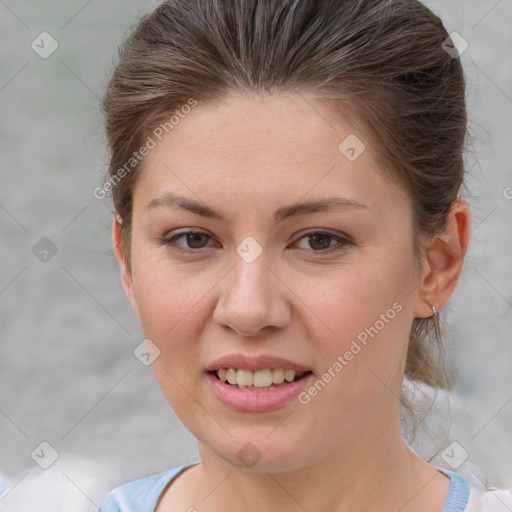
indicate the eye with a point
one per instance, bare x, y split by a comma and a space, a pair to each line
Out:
193, 240
320, 241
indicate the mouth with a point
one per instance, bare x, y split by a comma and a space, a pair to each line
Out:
261, 380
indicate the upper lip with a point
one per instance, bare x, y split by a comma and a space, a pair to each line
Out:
262, 362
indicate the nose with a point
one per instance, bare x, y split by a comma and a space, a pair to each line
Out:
252, 298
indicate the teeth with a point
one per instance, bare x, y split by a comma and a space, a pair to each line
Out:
247, 379
289, 375
231, 376
278, 375
262, 378
244, 377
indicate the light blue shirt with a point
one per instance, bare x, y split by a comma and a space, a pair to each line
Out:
142, 495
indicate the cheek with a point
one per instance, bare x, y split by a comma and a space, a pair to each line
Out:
170, 302
171, 310
352, 300
367, 313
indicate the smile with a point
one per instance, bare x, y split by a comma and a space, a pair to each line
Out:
261, 380
244, 398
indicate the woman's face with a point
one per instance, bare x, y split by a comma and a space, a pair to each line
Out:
332, 290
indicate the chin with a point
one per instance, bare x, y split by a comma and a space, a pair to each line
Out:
261, 453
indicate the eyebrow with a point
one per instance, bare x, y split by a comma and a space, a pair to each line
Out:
320, 205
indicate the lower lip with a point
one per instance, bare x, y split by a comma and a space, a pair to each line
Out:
257, 401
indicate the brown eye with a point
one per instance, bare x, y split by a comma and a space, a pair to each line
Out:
195, 240
320, 241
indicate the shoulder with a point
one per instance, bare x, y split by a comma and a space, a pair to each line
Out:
471, 495
496, 500
139, 495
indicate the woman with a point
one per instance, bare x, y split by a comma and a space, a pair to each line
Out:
286, 178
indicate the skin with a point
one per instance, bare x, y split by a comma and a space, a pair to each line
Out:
244, 158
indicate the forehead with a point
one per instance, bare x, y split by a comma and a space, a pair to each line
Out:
261, 148
264, 129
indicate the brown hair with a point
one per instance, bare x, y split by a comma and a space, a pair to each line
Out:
380, 62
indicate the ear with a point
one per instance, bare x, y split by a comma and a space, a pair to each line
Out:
126, 272
444, 261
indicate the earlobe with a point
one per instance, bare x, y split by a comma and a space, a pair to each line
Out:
126, 272
445, 260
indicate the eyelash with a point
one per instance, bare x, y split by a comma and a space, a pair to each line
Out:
171, 242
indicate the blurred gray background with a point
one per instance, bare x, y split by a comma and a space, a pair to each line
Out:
69, 375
